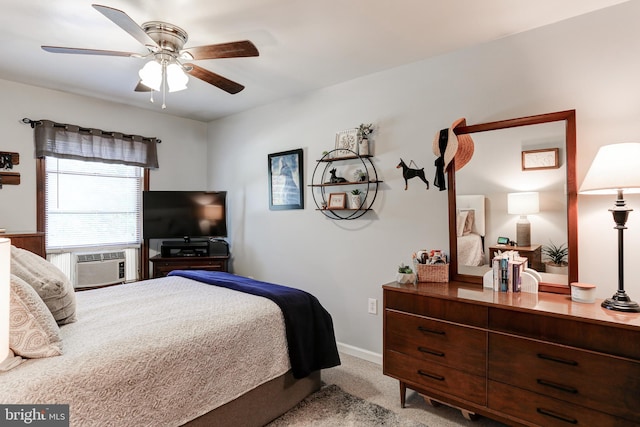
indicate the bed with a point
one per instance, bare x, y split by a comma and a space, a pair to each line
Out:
199, 348
470, 229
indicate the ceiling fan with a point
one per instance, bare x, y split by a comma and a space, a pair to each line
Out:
169, 61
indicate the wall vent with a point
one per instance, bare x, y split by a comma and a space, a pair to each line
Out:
99, 268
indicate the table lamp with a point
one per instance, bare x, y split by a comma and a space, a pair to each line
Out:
523, 204
5, 281
615, 171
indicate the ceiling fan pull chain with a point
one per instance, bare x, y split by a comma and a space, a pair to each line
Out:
164, 83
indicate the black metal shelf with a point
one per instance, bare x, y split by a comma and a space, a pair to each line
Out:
319, 184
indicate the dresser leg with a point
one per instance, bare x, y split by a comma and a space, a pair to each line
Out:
403, 393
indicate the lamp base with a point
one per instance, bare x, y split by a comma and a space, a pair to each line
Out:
621, 302
523, 232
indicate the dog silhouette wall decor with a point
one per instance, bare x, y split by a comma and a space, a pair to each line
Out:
408, 173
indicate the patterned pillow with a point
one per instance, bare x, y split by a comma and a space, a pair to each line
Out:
462, 220
50, 283
33, 332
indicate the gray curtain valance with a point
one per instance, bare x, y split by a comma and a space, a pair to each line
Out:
74, 142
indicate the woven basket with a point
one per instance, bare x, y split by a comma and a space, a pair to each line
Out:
432, 272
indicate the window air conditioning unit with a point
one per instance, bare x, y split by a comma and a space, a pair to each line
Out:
101, 268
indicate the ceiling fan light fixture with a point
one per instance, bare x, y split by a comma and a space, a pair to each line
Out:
151, 75
176, 78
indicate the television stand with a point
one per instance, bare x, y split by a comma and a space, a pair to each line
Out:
163, 265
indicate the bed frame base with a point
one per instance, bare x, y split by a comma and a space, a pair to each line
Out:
262, 404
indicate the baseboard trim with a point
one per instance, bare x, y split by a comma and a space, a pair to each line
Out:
361, 353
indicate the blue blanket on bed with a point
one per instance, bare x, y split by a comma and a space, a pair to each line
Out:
310, 336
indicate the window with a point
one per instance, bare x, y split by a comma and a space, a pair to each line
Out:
92, 204
86, 206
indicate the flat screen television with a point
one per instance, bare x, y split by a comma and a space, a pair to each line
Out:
184, 214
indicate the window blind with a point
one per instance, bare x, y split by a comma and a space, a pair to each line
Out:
92, 203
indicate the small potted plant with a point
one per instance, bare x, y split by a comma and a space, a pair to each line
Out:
405, 274
364, 130
355, 199
359, 175
556, 258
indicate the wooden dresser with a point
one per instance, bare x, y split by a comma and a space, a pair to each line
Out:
32, 241
522, 359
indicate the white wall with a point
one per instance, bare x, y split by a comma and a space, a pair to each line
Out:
589, 64
181, 154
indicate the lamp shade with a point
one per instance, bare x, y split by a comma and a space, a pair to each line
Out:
176, 78
614, 168
5, 280
151, 75
523, 203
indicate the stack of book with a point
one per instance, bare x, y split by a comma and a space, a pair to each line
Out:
507, 271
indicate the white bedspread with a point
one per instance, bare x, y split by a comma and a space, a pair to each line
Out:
470, 251
155, 353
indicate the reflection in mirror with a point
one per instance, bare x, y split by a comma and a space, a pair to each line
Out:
487, 222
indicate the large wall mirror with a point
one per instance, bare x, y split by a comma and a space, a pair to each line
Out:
514, 160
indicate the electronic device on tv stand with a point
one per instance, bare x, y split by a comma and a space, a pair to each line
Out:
185, 248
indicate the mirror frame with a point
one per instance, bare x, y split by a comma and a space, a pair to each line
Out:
569, 117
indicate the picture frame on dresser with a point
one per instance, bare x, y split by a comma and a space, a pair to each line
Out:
286, 180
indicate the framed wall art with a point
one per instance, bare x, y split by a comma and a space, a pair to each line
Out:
546, 158
347, 143
337, 200
286, 180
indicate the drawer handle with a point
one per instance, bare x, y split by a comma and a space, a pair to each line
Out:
429, 351
434, 376
430, 331
557, 416
557, 359
566, 388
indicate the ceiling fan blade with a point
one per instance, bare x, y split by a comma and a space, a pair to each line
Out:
214, 79
125, 22
142, 88
237, 49
58, 49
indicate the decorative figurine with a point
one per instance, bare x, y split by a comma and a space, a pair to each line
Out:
409, 173
335, 179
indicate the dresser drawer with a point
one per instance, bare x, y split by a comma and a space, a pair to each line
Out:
597, 381
546, 411
623, 342
431, 340
435, 376
437, 308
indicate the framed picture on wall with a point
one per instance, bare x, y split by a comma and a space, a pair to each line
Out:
286, 180
546, 158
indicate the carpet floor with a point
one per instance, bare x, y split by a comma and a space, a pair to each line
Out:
364, 379
331, 407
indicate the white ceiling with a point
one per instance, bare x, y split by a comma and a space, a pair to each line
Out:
304, 45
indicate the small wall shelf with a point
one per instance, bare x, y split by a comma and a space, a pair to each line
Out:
8, 160
322, 186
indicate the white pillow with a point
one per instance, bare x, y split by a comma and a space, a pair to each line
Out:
33, 332
50, 283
